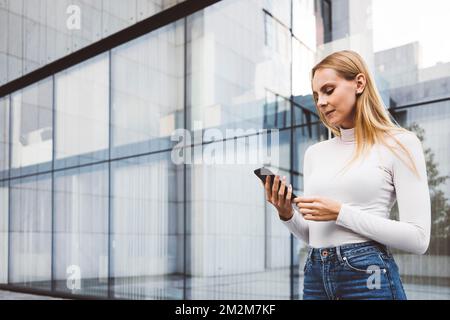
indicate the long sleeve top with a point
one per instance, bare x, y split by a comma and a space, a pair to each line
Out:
367, 191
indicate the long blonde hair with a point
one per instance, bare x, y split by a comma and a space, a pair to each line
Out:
372, 121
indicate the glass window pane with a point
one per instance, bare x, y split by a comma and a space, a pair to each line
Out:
147, 228
31, 237
4, 207
280, 9
304, 23
230, 67
31, 45
302, 61
15, 40
147, 92
3, 67
82, 116
32, 134
3, 35
35, 33
4, 137
117, 15
238, 247
81, 230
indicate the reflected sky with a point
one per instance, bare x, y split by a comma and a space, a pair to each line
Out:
399, 22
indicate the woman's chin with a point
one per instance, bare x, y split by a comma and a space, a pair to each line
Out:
333, 122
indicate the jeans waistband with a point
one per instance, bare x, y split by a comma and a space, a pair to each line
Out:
347, 249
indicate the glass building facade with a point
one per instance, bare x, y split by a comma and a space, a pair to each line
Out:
92, 203
37, 32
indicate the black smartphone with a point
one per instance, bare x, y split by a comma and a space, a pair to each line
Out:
262, 173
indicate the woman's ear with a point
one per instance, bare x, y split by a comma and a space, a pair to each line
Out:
360, 83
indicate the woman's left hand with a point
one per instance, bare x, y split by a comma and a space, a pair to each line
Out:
318, 208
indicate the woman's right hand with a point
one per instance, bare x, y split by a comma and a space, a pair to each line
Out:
276, 197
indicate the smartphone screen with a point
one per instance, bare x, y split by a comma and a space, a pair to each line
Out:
262, 173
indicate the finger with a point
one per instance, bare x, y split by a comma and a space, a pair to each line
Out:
319, 217
310, 217
275, 189
298, 199
289, 194
307, 211
281, 191
306, 205
267, 182
267, 187
306, 199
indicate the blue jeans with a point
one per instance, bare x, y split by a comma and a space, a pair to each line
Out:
364, 270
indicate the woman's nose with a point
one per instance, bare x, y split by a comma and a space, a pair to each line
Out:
322, 102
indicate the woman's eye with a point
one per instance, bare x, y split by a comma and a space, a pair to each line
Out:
330, 92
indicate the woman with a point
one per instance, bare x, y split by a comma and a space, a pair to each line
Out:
344, 213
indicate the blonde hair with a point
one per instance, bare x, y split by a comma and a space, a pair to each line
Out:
372, 121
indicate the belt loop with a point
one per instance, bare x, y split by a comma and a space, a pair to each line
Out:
384, 248
338, 253
388, 251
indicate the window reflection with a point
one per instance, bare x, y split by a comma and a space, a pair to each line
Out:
228, 89
35, 33
82, 113
4, 137
31, 232
147, 92
81, 230
4, 232
32, 132
146, 228
237, 247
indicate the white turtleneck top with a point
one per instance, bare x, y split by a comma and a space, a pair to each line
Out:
367, 190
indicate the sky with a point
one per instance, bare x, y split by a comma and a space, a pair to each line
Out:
397, 22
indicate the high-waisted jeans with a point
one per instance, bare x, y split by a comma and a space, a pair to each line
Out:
364, 270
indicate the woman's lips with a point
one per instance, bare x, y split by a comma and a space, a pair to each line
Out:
330, 113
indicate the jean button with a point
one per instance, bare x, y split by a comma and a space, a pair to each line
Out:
325, 253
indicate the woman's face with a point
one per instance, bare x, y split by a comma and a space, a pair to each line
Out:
338, 95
